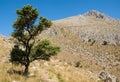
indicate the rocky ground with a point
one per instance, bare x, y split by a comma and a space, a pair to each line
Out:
54, 70
93, 37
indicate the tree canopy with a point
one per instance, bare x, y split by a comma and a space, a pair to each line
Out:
25, 32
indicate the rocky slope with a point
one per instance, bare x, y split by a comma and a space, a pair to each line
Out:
5, 46
40, 71
93, 26
93, 39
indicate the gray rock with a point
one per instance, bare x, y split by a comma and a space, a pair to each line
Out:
96, 14
106, 77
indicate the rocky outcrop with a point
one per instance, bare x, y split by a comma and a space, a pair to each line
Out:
106, 77
99, 15
96, 14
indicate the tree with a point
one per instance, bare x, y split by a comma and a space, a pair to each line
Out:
25, 32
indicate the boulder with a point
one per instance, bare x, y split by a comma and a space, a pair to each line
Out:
106, 77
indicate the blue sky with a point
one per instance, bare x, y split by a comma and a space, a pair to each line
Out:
54, 9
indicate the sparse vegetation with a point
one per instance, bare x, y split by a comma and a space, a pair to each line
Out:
55, 72
78, 64
60, 78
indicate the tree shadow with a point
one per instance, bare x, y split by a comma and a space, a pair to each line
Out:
19, 72
12, 71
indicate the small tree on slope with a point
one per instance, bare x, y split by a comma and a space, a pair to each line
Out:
25, 32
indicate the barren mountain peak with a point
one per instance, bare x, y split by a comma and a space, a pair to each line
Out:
96, 14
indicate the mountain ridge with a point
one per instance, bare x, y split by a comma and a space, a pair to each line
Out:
94, 14
92, 27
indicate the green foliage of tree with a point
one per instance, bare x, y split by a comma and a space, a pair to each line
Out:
25, 32
44, 50
17, 56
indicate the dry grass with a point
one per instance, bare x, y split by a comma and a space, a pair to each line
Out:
7, 74
51, 71
42, 71
67, 73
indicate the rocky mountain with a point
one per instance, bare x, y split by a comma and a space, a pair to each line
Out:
90, 51
100, 27
93, 39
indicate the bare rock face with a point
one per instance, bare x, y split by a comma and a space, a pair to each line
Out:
106, 77
99, 15
96, 14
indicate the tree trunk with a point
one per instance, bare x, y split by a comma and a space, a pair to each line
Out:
26, 71
28, 49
